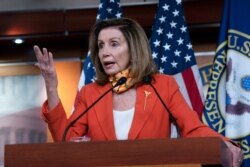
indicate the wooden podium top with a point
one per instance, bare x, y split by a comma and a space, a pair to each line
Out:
201, 151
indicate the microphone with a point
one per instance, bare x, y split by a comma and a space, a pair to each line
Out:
147, 80
121, 81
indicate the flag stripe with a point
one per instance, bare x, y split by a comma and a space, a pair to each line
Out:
179, 79
192, 90
81, 81
198, 80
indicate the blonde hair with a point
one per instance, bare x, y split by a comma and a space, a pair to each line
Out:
141, 63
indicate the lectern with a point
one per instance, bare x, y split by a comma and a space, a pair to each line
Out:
184, 152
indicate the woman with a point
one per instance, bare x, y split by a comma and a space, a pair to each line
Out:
119, 48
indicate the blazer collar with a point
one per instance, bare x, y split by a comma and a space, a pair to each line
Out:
145, 101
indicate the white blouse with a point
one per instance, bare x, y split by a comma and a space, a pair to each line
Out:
122, 122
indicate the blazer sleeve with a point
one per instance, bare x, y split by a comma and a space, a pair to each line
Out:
57, 119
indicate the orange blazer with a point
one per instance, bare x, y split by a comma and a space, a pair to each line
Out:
151, 120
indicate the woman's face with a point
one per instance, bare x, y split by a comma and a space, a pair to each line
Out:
113, 50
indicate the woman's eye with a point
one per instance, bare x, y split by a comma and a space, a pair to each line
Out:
114, 44
100, 45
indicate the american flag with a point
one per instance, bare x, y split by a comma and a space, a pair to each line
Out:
172, 51
107, 9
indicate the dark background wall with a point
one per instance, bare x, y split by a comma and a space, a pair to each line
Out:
65, 30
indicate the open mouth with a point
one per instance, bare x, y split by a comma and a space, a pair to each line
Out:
108, 64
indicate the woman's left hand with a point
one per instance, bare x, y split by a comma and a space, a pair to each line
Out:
237, 154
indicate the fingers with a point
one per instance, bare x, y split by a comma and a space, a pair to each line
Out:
238, 161
241, 158
45, 61
44, 58
38, 53
237, 154
36, 49
51, 61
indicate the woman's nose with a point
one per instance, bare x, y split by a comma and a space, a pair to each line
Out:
105, 51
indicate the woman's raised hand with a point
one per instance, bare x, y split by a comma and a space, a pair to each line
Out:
46, 65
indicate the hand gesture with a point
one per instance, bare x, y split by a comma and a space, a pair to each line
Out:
237, 154
46, 65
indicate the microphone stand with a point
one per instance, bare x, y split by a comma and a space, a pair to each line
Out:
119, 82
147, 80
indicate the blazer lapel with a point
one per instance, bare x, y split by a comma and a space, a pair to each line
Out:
145, 102
104, 113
